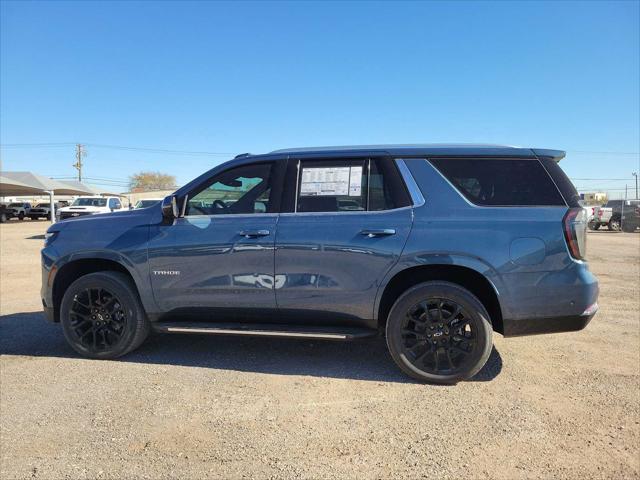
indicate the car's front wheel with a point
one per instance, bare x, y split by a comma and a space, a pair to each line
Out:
102, 316
21, 216
439, 332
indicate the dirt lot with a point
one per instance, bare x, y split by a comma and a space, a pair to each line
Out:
565, 405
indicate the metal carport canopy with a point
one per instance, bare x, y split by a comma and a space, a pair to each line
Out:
14, 188
43, 184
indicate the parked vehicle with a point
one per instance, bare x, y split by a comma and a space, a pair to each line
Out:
41, 210
631, 218
20, 209
610, 215
590, 212
6, 213
338, 244
147, 202
89, 206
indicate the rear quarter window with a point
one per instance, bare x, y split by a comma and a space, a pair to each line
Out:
501, 182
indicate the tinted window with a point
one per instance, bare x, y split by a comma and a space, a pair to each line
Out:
114, 203
501, 182
240, 190
563, 183
349, 185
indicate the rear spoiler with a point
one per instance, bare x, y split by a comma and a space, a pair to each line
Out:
555, 155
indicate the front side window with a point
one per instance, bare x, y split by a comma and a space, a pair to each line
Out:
240, 190
358, 185
114, 203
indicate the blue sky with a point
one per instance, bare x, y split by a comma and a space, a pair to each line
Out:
238, 77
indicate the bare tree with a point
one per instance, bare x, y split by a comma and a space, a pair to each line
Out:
149, 181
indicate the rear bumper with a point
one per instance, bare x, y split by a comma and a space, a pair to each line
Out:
538, 326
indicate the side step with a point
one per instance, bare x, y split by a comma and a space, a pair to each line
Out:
265, 330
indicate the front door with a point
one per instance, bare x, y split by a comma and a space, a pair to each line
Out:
220, 255
349, 222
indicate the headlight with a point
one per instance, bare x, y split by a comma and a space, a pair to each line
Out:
49, 237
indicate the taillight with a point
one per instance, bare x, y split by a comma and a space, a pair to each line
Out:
575, 232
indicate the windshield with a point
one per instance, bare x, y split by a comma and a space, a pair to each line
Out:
42, 205
15, 204
89, 202
146, 203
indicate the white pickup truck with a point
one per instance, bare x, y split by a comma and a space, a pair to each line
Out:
612, 213
89, 206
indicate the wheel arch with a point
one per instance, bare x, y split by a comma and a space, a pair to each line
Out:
74, 269
465, 276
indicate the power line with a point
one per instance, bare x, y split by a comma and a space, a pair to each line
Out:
115, 147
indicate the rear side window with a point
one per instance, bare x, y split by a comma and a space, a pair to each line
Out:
565, 186
501, 182
348, 185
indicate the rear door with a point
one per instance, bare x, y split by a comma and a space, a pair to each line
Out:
344, 224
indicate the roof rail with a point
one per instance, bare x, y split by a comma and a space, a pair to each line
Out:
240, 155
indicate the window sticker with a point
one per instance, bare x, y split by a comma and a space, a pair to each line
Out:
321, 181
355, 182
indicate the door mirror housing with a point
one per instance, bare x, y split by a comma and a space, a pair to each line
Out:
170, 208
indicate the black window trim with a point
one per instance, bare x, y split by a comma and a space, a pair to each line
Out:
453, 158
290, 199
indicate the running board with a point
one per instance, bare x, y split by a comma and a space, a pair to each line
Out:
265, 330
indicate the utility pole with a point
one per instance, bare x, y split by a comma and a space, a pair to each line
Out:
635, 174
80, 153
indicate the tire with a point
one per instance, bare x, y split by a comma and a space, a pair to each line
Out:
3, 217
102, 316
21, 216
593, 225
427, 311
614, 225
33, 218
628, 228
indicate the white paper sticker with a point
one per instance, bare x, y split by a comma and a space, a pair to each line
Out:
329, 181
355, 182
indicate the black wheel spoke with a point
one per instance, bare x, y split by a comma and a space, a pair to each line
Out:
98, 319
451, 335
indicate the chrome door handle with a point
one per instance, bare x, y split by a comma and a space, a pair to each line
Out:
254, 233
378, 232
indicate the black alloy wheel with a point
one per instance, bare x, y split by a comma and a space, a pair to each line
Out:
438, 336
102, 316
439, 332
97, 319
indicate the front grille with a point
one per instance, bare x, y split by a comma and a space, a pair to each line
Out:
65, 215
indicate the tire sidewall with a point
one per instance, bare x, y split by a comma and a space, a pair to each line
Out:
442, 290
127, 298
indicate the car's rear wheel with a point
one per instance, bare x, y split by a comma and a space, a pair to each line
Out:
102, 316
614, 225
439, 332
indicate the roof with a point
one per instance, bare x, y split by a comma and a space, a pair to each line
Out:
432, 149
44, 183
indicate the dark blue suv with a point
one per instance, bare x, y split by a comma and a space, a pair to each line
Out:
433, 246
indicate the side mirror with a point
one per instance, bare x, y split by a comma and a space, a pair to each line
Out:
170, 208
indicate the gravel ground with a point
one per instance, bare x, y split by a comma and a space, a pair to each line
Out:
564, 406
